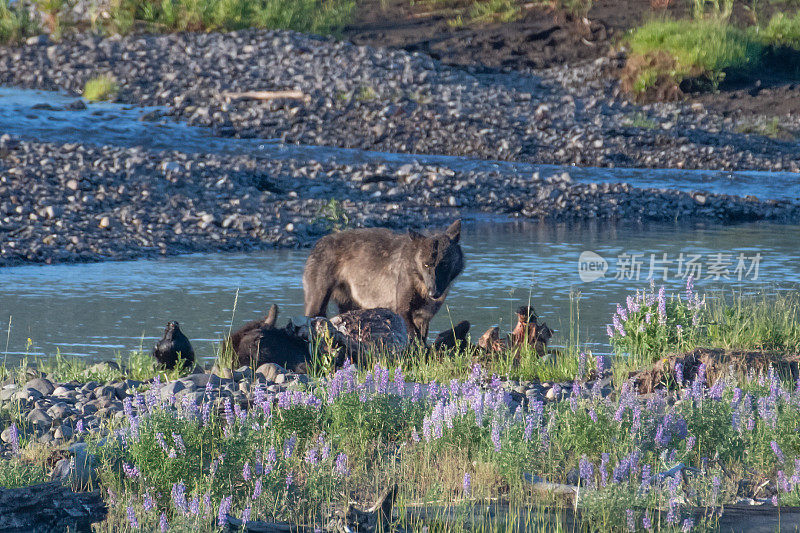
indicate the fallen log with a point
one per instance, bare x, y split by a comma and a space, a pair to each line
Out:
265, 95
50, 506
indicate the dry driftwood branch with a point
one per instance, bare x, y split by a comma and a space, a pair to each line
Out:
266, 95
50, 506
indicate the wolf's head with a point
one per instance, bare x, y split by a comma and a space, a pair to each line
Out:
438, 258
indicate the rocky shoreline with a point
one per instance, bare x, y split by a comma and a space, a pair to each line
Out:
78, 203
391, 100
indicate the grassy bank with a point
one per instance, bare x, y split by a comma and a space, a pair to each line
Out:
665, 53
456, 445
124, 16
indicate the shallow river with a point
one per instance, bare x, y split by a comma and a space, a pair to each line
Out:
98, 310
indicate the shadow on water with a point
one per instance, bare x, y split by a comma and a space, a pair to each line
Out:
99, 309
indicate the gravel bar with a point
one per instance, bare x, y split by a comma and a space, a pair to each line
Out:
77, 203
392, 100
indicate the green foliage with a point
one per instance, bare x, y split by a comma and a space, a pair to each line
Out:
760, 321
332, 213
15, 22
702, 47
313, 16
100, 88
782, 30
18, 473
495, 11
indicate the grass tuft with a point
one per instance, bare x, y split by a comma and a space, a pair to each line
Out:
100, 88
15, 22
310, 16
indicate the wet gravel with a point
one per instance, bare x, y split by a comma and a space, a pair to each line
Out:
391, 100
72, 202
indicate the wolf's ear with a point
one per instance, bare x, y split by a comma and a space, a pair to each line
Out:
454, 231
415, 235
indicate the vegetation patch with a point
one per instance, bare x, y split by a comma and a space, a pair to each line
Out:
668, 52
100, 88
311, 16
15, 22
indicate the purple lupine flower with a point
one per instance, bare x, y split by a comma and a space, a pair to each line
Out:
246, 515
715, 484
147, 502
163, 525
257, 489
496, 436
229, 418
288, 446
646, 478
601, 364
417, 394
467, 484
132, 518
775, 500
414, 435
207, 507
672, 514
79, 426
631, 519
179, 497
690, 440
646, 522
162, 442
131, 472
179, 445
341, 467
289, 479
662, 306
679, 373
224, 509
399, 381
586, 470
312, 456
688, 524
604, 458
618, 326
648, 317
609, 330
246, 471
777, 451
194, 506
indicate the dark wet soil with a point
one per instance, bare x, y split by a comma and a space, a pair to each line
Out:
544, 37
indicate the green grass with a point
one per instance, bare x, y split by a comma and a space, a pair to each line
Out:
495, 11
782, 30
100, 88
697, 48
311, 16
15, 23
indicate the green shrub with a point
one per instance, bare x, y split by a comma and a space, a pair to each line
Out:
782, 30
697, 48
15, 22
100, 88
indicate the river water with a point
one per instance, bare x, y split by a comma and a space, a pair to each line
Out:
103, 309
